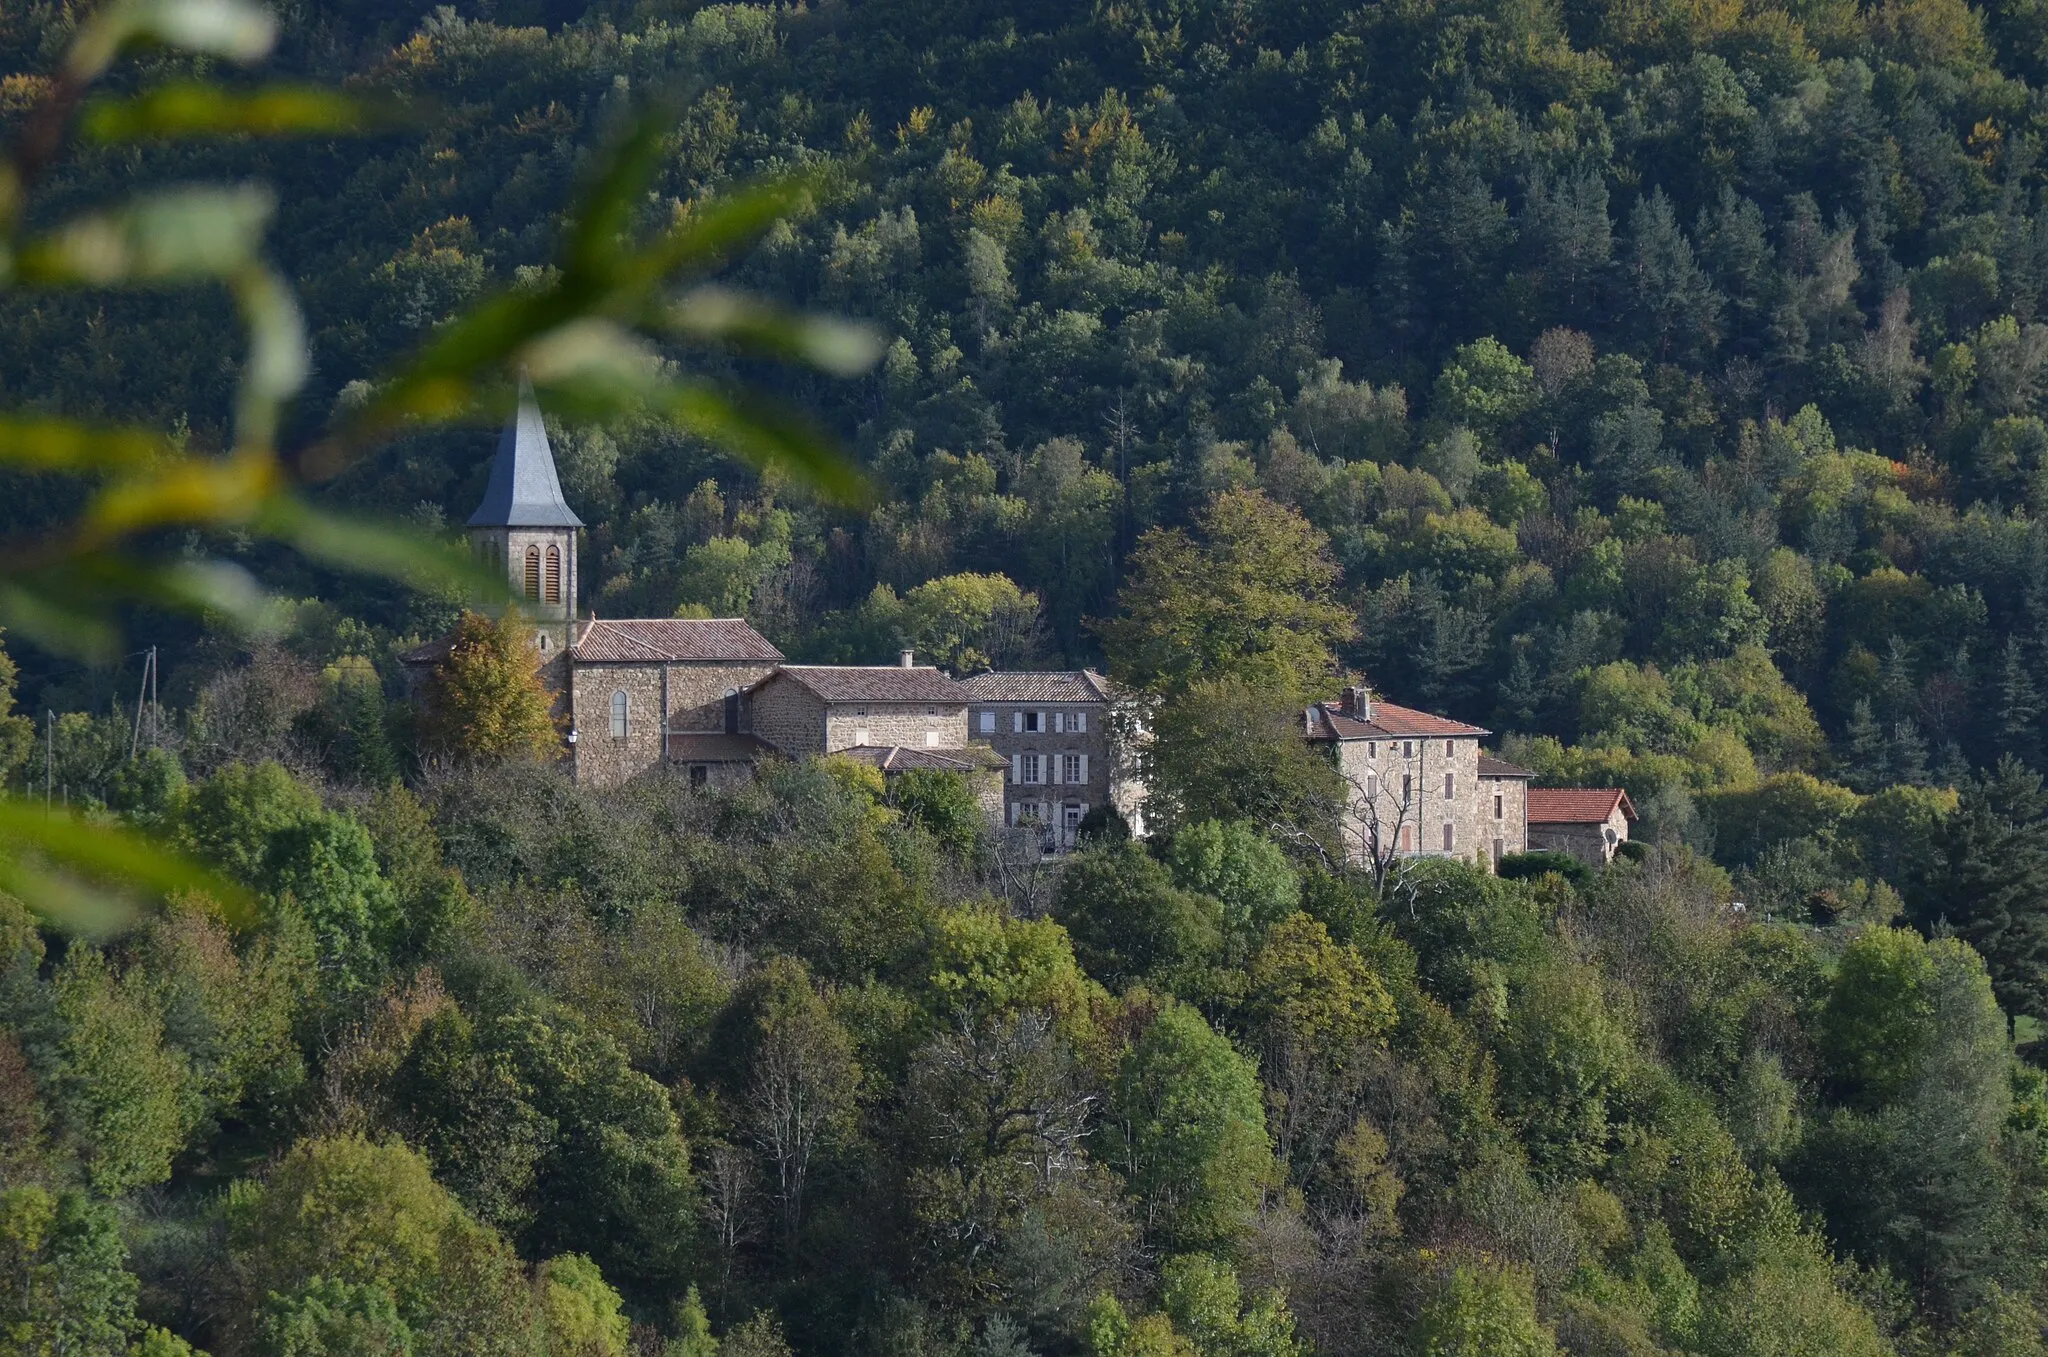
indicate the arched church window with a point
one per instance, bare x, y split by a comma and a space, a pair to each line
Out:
554, 575
619, 714
533, 573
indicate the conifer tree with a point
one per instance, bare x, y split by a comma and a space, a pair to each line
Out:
1863, 762
1906, 759
1990, 883
2019, 707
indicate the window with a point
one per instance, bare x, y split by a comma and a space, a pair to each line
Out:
1407, 838
1032, 771
988, 723
1450, 836
1073, 767
860, 711
533, 573
1078, 723
732, 711
931, 711
700, 774
1450, 786
1407, 788
1407, 749
554, 574
1500, 850
1372, 784
931, 739
1450, 751
1034, 722
1499, 805
1372, 749
619, 709
860, 737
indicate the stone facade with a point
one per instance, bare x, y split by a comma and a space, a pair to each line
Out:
913, 725
692, 694
1589, 823
1055, 731
788, 716
1503, 808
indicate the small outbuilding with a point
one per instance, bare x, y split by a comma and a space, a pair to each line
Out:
1587, 822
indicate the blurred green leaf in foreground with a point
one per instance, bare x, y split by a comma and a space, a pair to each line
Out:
595, 336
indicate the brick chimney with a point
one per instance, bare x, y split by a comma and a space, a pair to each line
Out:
907, 658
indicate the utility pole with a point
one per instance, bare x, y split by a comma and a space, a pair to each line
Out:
49, 754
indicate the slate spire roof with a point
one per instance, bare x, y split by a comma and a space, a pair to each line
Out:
524, 491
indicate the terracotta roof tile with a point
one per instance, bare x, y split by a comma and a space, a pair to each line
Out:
1388, 722
672, 639
1577, 805
1489, 766
873, 683
1060, 685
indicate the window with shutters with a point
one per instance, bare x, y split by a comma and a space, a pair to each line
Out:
1071, 768
1080, 720
1450, 786
554, 574
533, 573
1407, 749
1407, 838
1034, 722
1499, 807
1407, 787
1031, 770
1450, 836
1450, 751
619, 710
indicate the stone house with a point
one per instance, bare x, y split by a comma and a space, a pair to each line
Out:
892, 717
1054, 732
1412, 784
1587, 822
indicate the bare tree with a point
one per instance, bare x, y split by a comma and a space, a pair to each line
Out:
804, 1082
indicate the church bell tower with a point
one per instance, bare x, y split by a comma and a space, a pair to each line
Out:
524, 526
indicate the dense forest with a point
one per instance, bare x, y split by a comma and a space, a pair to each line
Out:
1660, 386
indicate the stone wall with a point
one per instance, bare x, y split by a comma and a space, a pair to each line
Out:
696, 693
894, 723
1374, 770
1587, 843
511, 544
1006, 740
601, 760
1511, 825
788, 716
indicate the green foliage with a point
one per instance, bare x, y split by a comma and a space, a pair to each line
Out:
1187, 1130
484, 699
69, 1289
1247, 598
1233, 863
1127, 918
944, 805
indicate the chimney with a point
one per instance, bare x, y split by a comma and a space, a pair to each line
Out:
907, 658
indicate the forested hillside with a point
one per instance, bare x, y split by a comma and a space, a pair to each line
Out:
1661, 388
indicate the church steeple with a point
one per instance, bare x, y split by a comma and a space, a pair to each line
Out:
523, 525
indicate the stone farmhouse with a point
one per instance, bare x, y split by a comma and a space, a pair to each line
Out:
1419, 785
1053, 729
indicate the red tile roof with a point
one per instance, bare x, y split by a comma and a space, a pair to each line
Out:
1388, 721
672, 639
1069, 685
873, 683
1577, 805
1489, 766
